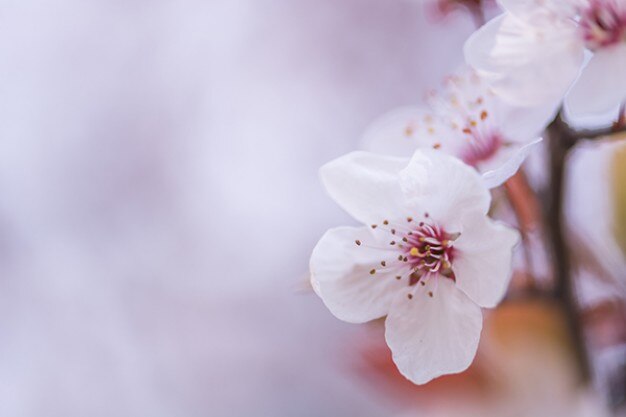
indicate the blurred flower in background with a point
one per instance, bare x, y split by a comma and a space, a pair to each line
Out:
468, 121
441, 9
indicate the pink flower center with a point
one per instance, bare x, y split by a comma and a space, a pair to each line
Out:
480, 147
429, 249
603, 23
415, 251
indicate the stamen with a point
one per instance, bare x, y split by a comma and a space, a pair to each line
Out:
425, 250
603, 24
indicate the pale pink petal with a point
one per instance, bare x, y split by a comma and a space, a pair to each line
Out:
525, 124
482, 259
340, 275
444, 186
526, 65
506, 163
538, 9
433, 336
602, 84
365, 185
402, 131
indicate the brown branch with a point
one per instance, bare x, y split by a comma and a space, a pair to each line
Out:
561, 139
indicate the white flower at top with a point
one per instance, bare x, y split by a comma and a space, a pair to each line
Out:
427, 256
534, 52
468, 121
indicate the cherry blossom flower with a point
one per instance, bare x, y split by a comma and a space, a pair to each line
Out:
534, 52
428, 257
468, 121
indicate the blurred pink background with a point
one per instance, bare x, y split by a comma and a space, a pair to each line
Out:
159, 197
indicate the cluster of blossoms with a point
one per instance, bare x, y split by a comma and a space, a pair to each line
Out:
533, 53
427, 256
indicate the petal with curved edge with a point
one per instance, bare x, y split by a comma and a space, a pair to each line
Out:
482, 51
506, 164
402, 131
526, 65
524, 124
482, 261
444, 186
340, 275
537, 9
433, 336
602, 84
365, 185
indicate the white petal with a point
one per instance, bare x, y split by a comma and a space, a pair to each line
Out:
534, 9
526, 65
602, 84
365, 185
482, 260
399, 132
506, 164
481, 48
430, 337
525, 124
340, 275
444, 186
520, 8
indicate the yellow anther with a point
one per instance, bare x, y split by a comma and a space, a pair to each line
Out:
414, 251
